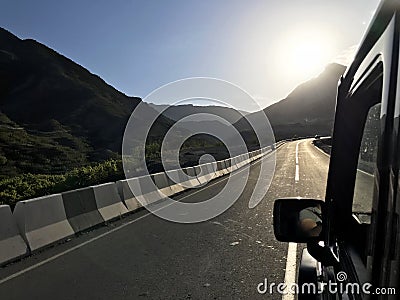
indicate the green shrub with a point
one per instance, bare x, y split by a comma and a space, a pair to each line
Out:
28, 186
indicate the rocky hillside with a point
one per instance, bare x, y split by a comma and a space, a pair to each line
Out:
308, 110
55, 114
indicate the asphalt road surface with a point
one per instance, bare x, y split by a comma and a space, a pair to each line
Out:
145, 257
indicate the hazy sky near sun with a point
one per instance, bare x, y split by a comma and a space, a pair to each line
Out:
138, 46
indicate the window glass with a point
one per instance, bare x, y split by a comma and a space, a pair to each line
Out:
364, 186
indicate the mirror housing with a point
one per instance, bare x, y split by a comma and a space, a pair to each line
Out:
298, 220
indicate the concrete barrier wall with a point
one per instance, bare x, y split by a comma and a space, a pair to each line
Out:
246, 159
200, 178
108, 201
257, 154
126, 194
252, 155
163, 183
174, 181
190, 171
222, 167
213, 169
204, 173
260, 154
81, 209
241, 162
149, 191
12, 246
42, 221
179, 183
267, 150
236, 162
228, 165
221, 170
233, 165
46, 220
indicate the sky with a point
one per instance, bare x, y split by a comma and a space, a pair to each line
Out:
265, 47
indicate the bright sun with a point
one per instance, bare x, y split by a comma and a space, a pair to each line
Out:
304, 54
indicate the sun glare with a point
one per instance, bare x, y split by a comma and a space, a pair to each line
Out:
304, 54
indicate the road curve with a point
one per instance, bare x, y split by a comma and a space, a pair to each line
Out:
145, 257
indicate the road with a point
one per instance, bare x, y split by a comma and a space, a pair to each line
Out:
145, 257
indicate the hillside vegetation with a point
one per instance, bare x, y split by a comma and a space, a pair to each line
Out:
61, 127
54, 114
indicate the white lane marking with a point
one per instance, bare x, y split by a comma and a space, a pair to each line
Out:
297, 177
291, 260
50, 259
290, 272
68, 251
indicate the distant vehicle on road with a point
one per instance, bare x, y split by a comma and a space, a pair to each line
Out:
360, 239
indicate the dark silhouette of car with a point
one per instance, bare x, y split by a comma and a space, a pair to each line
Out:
360, 240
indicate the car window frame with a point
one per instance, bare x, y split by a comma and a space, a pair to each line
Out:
381, 48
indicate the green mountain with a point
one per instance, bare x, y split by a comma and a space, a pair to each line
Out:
55, 114
308, 110
177, 112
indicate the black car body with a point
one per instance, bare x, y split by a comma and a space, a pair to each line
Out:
361, 228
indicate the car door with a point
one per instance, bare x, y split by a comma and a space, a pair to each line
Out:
360, 192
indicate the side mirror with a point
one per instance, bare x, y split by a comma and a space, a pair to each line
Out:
298, 220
